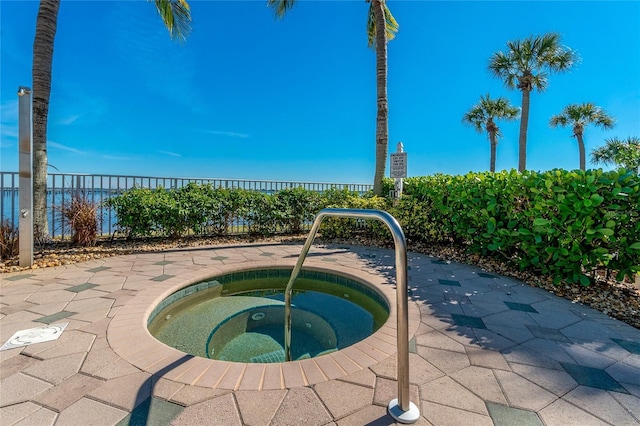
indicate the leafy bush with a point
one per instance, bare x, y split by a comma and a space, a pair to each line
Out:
219, 209
260, 213
347, 227
424, 208
337, 198
136, 212
297, 206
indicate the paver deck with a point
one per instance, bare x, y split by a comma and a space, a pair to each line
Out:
485, 349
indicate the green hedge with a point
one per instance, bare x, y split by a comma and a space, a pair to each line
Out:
564, 224
205, 209
559, 223
346, 227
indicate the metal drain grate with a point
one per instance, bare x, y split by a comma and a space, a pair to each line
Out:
34, 335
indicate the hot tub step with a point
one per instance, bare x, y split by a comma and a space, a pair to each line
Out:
275, 356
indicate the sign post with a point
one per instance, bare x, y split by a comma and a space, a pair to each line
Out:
398, 169
25, 181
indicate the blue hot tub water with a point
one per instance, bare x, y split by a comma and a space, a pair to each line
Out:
240, 317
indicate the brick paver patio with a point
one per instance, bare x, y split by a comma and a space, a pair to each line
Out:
484, 349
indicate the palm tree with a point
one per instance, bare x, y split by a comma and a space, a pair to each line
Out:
381, 27
526, 66
176, 16
621, 152
579, 116
46, 25
482, 117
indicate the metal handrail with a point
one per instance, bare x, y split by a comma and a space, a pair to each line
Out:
401, 408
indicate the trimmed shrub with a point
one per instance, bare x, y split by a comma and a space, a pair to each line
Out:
296, 206
347, 227
560, 223
260, 213
136, 211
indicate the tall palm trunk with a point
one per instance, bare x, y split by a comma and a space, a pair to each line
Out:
524, 123
583, 164
493, 140
46, 25
382, 116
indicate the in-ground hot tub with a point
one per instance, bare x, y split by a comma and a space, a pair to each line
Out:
240, 316
129, 337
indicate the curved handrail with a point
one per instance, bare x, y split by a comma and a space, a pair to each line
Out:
404, 410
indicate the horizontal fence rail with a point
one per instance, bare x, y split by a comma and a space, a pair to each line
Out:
61, 187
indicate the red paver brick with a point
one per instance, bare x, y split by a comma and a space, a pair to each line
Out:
231, 378
312, 372
68, 392
347, 364
252, 378
214, 374
330, 368
293, 375
273, 378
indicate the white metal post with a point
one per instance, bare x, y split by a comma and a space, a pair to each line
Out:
25, 181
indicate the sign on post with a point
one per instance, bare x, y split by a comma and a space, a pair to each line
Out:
399, 165
398, 170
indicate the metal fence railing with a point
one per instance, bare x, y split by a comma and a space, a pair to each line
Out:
98, 188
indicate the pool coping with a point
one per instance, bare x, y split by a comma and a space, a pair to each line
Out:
129, 337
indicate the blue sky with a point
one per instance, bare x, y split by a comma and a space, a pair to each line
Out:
251, 97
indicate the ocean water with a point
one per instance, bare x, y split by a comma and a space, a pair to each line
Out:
10, 209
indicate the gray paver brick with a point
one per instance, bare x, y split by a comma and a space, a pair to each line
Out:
56, 370
443, 415
71, 342
363, 377
563, 413
446, 391
630, 402
486, 358
125, 392
118, 369
446, 361
88, 412
372, 415
257, 408
523, 355
42, 417
342, 398
522, 393
17, 412
438, 340
555, 381
301, 406
387, 390
190, 395
600, 403
482, 382
625, 372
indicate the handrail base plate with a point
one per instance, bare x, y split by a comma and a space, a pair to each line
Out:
410, 416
